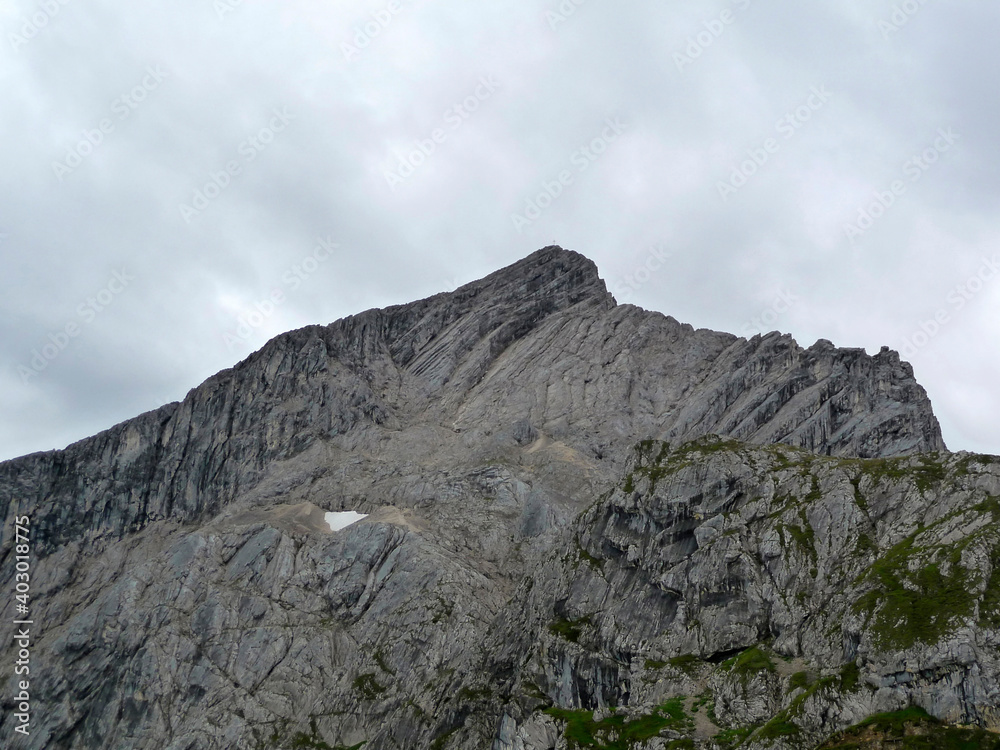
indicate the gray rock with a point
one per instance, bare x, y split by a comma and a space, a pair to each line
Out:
523, 549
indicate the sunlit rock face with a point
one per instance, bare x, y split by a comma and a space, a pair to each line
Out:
467, 521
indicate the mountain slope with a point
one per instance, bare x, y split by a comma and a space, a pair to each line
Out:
540, 343
518, 560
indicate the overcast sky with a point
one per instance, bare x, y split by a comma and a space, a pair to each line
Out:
183, 181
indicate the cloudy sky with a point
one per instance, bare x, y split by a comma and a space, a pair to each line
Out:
185, 180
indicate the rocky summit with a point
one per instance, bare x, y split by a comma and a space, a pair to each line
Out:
585, 525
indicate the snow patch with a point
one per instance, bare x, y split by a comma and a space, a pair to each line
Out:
343, 519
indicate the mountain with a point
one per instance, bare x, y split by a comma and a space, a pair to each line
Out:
588, 525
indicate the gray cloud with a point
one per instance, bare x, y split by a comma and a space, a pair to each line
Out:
699, 90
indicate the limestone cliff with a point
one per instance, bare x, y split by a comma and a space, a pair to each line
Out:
555, 529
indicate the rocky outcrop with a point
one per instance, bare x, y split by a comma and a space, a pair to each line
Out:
540, 344
714, 564
552, 530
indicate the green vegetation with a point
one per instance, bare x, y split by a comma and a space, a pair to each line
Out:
477, 695
442, 739
367, 687
989, 607
894, 722
303, 741
910, 607
382, 664
312, 741
929, 472
911, 729
686, 663
657, 460
748, 663
569, 629
785, 456
730, 738
443, 611
779, 726
990, 505
865, 545
859, 499
532, 690
850, 677
782, 724
582, 554
799, 680
615, 733
705, 699
804, 536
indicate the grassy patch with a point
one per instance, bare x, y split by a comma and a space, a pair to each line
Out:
929, 472
532, 690
443, 611
366, 686
730, 738
442, 739
748, 663
571, 630
686, 663
804, 536
303, 741
656, 460
705, 699
582, 554
865, 545
312, 741
382, 664
908, 607
614, 732
778, 727
474, 695
910, 729
799, 680
850, 677
782, 724
989, 606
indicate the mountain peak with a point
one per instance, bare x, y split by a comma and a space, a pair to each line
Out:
564, 277
556, 495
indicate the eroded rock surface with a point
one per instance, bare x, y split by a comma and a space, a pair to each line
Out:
553, 528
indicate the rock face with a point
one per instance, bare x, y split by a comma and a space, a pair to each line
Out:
574, 506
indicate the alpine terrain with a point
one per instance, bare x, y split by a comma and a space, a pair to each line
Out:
586, 525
